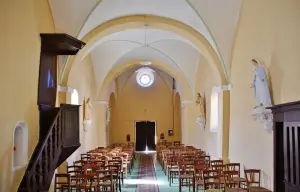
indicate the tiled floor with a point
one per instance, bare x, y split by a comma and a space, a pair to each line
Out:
161, 180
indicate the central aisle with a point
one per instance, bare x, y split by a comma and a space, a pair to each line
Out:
147, 176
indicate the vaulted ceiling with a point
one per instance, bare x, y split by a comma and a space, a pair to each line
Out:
216, 20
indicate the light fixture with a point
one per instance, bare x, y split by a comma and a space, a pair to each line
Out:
145, 62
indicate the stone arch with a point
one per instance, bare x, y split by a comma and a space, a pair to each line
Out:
20, 146
156, 22
187, 91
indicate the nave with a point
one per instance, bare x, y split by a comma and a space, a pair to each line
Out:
172, 167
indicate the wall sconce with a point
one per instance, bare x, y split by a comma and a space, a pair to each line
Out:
128, 137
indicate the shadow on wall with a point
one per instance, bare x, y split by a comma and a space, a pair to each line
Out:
275, 70
265, 179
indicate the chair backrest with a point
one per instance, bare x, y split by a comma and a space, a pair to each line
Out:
233, 167
252, 177
73, 170
229, 181
216, 162
198, 170
211, 179
62, 182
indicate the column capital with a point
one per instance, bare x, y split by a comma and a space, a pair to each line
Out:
185, 102
103, 102
220, 88
66, 89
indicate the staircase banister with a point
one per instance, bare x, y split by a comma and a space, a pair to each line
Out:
46, 138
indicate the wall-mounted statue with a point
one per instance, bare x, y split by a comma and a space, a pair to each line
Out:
201, 104
107, 114
87, 109
261, 85
262, 96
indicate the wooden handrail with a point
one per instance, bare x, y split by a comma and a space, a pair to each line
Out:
47, 137
33, 171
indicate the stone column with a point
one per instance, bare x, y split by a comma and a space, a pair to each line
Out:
101, 108
187, 123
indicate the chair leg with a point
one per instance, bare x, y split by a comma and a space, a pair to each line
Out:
179, 185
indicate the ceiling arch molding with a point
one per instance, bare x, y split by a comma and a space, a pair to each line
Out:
165, 58
156, 22
128, 65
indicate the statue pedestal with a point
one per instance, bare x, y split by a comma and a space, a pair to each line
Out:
265, 116
201, 120
87, 125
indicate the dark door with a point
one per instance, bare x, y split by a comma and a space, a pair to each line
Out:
145, 135
291, 150
279, 158
140, 136
150, 136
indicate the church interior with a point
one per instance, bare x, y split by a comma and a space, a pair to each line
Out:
150, 95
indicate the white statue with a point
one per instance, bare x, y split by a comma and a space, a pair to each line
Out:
108, 114
201, 103
87, 109
261, 85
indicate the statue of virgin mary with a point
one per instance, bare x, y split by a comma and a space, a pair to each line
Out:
261, 85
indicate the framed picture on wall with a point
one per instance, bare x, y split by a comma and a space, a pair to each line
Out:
170, 132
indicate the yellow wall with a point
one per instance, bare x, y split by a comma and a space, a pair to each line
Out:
206, 80
133, 100
19, 54
82, 79
268, 30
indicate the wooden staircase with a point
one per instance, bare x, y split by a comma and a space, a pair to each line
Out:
59, 126
61, 140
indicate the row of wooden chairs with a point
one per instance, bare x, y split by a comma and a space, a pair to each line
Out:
194, 168
100, 169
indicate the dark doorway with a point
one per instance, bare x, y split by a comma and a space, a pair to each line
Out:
145, 135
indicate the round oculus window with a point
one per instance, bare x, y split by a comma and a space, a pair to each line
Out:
145, 77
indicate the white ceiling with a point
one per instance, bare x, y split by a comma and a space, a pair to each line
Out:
215, 19
113, 51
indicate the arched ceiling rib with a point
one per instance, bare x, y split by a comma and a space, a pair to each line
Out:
138, 35
221, 17
215, 19
109, 55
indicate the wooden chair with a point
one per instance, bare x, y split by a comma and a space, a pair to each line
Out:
186, 175
106, 181
173, 169
212, 180
237, 167
198, 173
231, 184
62, 183
73, 170
253, 181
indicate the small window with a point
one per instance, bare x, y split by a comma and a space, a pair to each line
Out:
20, 146
145, 76
74, 97
214, 112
